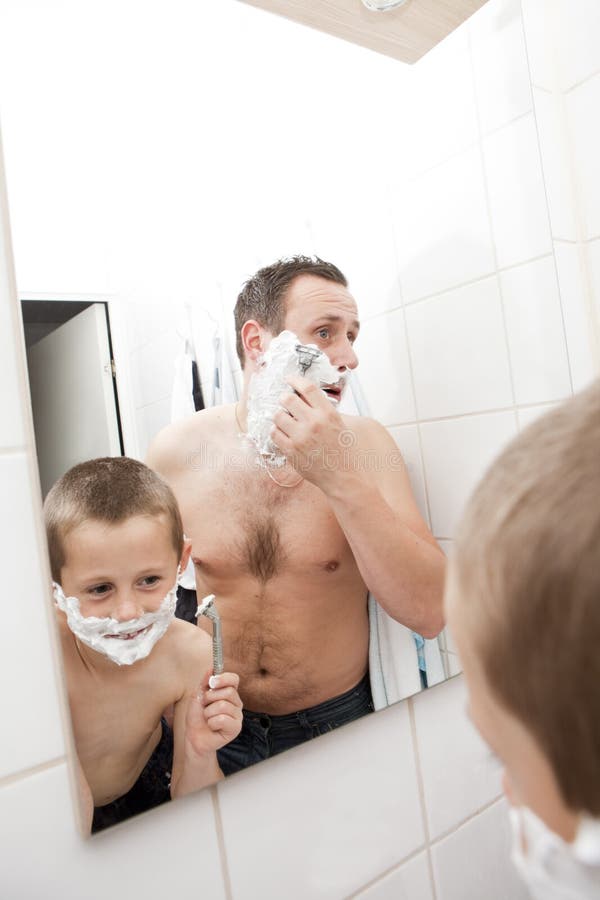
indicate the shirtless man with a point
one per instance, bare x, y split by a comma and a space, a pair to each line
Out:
292, 553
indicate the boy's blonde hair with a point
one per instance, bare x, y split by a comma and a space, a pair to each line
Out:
527, 567
110, 489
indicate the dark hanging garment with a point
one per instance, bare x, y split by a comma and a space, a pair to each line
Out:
196, 388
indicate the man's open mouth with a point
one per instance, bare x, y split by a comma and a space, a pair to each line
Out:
333, 391
129, 635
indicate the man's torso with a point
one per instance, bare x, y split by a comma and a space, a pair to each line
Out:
289, 593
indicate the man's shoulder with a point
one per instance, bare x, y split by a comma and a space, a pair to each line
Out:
166, 446
366, 428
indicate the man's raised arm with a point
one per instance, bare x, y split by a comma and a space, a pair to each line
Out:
361, 471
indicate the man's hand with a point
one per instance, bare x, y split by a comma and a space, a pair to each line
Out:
311, 433
214, 715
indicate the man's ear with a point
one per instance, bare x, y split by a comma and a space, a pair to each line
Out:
255, 339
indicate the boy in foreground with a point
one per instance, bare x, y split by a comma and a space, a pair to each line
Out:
116, 545
523, 603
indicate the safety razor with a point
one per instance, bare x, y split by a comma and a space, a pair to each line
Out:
306, 356
207, 608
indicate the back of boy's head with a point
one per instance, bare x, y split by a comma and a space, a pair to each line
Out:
111, 490
527, 580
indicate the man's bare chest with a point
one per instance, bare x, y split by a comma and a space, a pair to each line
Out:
242, 523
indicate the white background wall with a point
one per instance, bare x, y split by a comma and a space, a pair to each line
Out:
144, 144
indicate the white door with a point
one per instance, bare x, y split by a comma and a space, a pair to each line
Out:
72, 395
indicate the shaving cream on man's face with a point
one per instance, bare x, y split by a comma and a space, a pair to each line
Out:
280, 360
122, 642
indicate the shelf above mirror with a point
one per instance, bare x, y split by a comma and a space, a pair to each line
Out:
406, 33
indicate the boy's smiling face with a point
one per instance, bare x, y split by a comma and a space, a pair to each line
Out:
120, 570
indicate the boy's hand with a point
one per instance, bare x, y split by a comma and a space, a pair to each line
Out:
214, 715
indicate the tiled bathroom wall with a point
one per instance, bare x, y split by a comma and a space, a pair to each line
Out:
476, 267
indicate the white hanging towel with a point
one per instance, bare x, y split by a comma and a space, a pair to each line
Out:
394, 666
393, 661
226, 389
182, 394
182, 405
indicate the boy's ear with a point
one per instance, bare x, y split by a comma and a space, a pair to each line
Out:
185, 554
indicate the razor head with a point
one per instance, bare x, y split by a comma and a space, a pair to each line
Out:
306, 356
205, 605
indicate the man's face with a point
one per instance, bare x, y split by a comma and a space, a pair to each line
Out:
324, 313
528, 776
121, 570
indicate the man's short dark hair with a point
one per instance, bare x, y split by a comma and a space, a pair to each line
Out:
263, 296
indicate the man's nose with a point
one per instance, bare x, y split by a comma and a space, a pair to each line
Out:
346, 358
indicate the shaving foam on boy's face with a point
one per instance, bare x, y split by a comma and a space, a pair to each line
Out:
285, 356
124, 643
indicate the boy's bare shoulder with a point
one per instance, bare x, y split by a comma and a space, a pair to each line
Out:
189, 646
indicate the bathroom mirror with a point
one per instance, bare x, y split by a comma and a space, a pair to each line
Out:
156, 158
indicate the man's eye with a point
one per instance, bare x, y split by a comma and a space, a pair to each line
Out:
351, 338
323, 333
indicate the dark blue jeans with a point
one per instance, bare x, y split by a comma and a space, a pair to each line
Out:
151, 789
264, 735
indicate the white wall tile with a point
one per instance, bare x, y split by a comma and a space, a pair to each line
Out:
407, 439
443, 235
458, 351
29, 692
577, 311
12, 426
500, 65
446, 546
410, 881
474, 862
454, 665
593, 262
461, 777
125, 861
517, 193
556, 163
334, 813
531, 413
538, 18
536, 336
579, 42
343, 229
384, 369
437, 115
455, 454
582, 114
149, 421
152, 368
450, 643
148, 318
